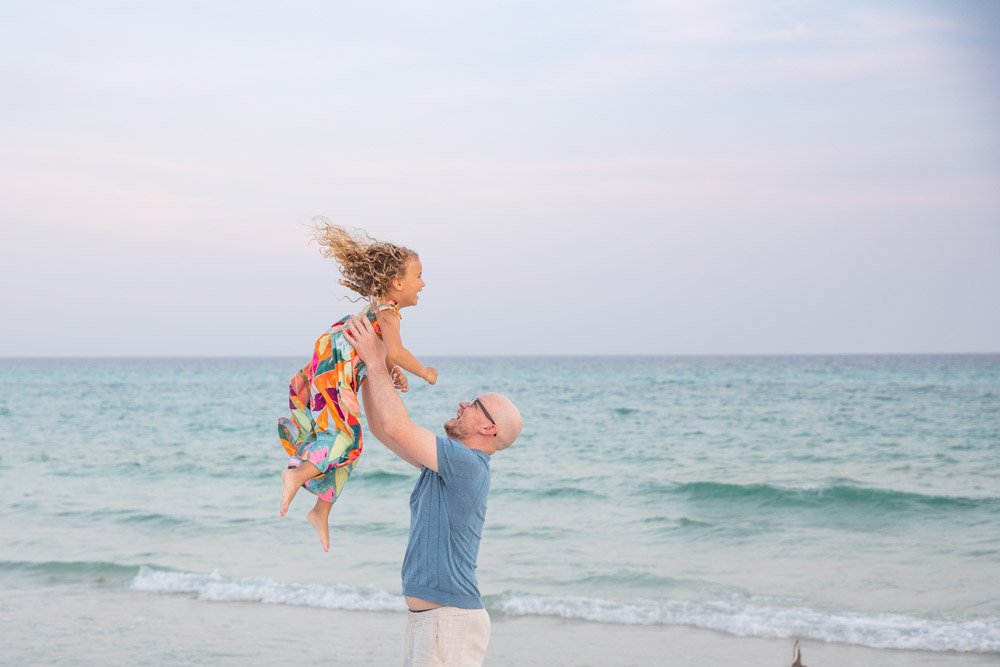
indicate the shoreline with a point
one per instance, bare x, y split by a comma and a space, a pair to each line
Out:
126, 627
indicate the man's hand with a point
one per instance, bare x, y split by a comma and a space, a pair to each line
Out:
369, 346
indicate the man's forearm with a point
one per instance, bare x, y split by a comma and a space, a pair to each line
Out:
388, 407
373, 417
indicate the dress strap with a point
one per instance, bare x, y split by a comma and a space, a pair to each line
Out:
379, 306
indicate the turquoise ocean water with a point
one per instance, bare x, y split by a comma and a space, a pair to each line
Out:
843, 499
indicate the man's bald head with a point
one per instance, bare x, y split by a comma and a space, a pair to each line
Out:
507, 417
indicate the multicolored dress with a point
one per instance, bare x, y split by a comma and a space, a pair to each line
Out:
325, 424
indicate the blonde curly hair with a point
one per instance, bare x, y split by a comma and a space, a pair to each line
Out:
368, 265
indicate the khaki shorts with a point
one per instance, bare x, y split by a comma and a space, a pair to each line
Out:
447, 637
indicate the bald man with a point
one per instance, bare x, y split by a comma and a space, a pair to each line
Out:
447, 624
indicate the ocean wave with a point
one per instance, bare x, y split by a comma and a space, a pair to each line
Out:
384, 478
70, 571
750, 619
627, 577
671, 524
129, 517
154, 518
550, 492
739, 617
844, 496
217, 588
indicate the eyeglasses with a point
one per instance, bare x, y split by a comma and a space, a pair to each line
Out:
476, 402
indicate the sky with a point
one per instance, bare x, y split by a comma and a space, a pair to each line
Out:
579, 177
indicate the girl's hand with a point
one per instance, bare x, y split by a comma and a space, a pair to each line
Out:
431, 376
399, 379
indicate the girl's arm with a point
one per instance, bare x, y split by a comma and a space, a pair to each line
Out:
399, 355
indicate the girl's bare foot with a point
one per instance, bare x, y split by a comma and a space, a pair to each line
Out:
290, 485
292, 479
320, 520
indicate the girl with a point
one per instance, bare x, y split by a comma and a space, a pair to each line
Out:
323, 436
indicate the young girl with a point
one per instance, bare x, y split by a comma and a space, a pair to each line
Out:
323, 436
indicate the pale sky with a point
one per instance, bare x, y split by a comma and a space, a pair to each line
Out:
579, 177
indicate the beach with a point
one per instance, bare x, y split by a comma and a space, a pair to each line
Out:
655, 511
119, 628
732, 262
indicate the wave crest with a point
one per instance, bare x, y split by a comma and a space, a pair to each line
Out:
750, 619
217, 588
843, 496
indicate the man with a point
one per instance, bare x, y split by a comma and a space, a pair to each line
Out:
447, 624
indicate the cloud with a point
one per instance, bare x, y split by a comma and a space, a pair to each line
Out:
582, 155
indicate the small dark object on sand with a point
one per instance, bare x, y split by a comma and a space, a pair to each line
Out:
797, 655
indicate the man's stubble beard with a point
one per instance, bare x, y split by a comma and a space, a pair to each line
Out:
454, 430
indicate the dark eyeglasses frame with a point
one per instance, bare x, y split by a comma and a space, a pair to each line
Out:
474, 402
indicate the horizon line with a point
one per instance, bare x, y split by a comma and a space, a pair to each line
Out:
582, 355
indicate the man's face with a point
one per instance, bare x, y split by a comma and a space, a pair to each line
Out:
467, 420
454, 430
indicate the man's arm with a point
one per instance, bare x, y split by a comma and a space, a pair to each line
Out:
418, 444
375, 427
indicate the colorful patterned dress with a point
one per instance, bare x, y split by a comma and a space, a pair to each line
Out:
325, 425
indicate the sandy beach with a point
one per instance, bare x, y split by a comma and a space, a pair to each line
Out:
125, 627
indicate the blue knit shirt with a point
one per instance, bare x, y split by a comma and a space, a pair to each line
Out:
447, 512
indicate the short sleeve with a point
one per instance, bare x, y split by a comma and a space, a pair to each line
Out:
455, 460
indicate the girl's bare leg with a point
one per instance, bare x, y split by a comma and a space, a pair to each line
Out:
292, 479
319, 517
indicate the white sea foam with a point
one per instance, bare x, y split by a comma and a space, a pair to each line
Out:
742, 618
749, 619
217, 588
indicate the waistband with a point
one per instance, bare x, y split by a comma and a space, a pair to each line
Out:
443, 611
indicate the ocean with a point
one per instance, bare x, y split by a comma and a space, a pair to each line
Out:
838, 500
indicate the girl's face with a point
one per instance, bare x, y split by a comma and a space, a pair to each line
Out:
408, 287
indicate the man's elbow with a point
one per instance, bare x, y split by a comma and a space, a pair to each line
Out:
390, 428
376, 431
395, 429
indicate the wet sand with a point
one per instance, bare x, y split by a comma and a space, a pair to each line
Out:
120, 627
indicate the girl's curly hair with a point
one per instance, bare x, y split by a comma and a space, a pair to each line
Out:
368, 265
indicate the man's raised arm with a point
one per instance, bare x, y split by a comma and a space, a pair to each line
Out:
375, 427
388, 418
